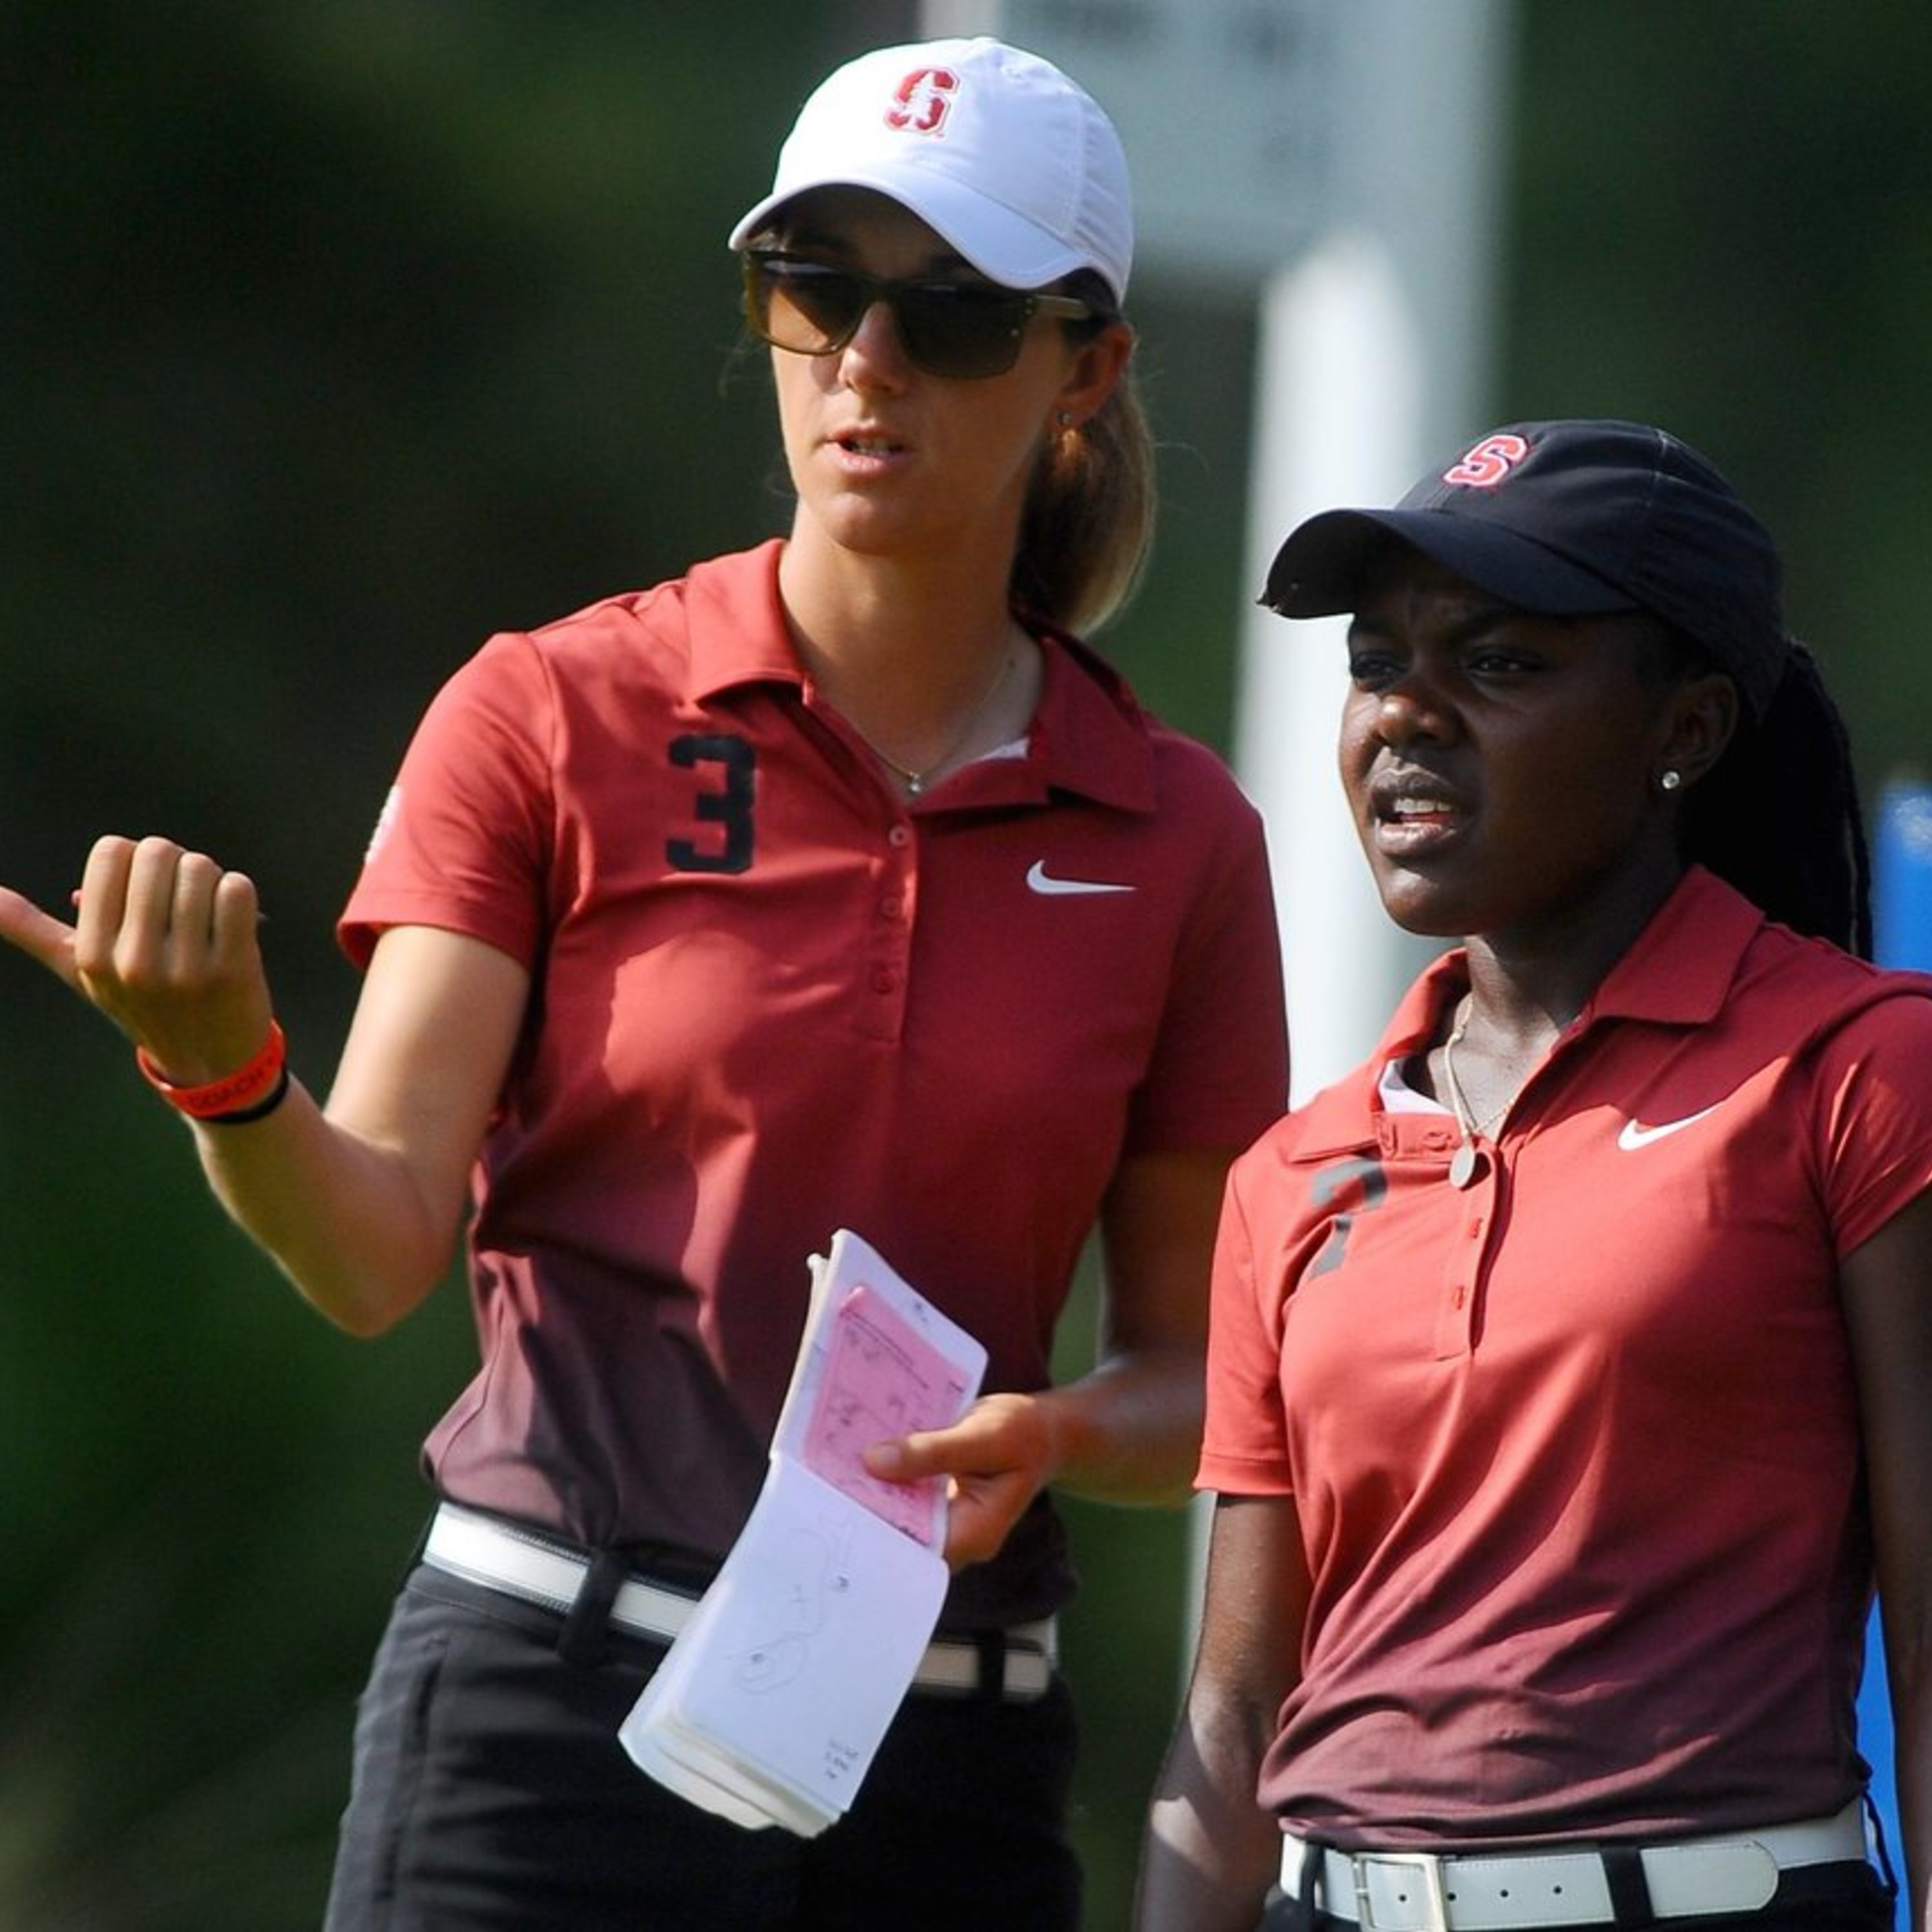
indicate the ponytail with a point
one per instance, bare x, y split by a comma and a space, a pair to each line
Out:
1778, 816
1088, 521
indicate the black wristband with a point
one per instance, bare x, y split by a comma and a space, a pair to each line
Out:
260, 1111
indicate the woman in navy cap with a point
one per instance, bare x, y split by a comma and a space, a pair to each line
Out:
837, 884
1570, 1373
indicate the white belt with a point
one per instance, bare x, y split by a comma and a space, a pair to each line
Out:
524, 1564
1480, 1892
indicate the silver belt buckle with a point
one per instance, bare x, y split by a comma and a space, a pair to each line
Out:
1433, 1895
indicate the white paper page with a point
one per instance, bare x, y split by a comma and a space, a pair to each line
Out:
670, 1758
805, 1646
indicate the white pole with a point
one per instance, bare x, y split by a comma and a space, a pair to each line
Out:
1372, 356
1338, 398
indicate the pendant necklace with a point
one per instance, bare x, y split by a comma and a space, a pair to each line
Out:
916, 782
1465, 1162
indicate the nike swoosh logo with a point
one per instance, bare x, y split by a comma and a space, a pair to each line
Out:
1042, 881
1634, 1136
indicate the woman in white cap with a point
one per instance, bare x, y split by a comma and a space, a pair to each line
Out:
1570, 1376
837, 884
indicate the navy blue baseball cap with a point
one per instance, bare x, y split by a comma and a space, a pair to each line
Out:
1572, 518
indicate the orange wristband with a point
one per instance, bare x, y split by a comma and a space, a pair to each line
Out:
247, 1094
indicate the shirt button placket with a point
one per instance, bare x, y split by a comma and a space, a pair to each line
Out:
891, 948
1462, 1275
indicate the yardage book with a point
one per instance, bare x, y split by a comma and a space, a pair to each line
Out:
775, 1697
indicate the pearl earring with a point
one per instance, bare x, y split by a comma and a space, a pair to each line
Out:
1670, 781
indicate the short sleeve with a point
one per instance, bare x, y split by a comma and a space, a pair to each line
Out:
464, 839
1218, 1074
1872, 1098
1244, 1449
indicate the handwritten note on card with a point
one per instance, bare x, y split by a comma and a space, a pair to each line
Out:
775, 1697
884, 1374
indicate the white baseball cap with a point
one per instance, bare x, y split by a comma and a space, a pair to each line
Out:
993, 147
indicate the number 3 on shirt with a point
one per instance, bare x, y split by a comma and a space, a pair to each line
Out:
727, 804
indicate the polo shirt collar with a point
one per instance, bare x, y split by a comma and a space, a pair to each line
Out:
1089, 735
738, 631
1679, 970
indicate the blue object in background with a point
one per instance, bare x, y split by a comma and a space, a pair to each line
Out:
1902, 877
1901, 936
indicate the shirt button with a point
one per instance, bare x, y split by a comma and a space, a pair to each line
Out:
891, 908
883, 982
899, 835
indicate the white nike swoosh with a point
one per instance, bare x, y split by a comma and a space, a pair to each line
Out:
1634, 1136
1042, 880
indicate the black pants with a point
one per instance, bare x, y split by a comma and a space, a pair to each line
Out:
490, 1792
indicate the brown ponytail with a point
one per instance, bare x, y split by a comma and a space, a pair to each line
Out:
1088, 522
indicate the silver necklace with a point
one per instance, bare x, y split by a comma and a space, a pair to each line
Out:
1465, 1161
916, 782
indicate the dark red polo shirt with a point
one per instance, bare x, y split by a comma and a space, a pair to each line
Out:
772, 998
1576, 1451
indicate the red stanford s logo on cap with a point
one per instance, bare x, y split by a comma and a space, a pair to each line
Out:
920, 101
1488, 464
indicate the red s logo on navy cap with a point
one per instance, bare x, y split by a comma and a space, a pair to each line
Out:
1488, 464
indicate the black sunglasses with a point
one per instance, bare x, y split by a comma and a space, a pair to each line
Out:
967, 329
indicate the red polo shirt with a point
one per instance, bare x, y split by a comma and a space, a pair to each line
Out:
772, 998
1576, 1451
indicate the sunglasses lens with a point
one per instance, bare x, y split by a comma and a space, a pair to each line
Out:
802, 306
948, 329
961, 329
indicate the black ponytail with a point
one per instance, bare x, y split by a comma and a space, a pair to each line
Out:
1778, 815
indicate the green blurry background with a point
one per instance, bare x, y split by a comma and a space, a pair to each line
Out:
334, 336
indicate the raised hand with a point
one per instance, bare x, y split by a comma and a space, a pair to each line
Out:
164, 942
